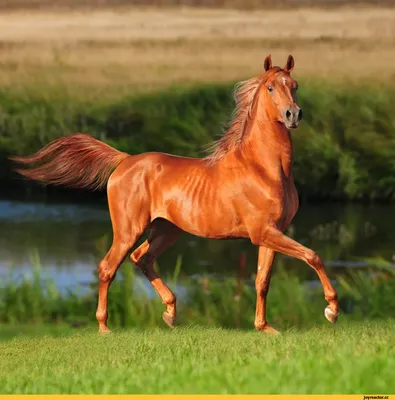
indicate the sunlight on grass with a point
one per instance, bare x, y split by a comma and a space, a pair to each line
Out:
144, 49
353, 358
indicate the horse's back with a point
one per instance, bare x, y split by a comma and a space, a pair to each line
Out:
142, 174
153, 164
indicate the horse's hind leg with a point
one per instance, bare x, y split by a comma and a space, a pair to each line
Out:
163, 234
107, 269
125, 236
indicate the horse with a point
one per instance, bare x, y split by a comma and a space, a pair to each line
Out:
243, 188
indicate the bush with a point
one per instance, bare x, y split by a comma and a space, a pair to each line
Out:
344, 149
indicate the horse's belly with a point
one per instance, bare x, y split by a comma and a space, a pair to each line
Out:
223, 226
207, 221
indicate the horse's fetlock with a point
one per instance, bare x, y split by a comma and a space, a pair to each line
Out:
331, 297
259, 325
169, 299
101, 316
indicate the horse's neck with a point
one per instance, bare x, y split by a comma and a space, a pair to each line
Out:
269, 144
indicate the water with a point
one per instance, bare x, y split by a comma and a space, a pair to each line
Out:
68, 240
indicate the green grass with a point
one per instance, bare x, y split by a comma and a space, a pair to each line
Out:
214, 348
354, 358
12, 331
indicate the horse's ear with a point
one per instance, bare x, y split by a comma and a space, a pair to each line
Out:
289, 66
268, 63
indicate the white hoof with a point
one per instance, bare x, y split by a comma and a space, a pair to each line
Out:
330, 315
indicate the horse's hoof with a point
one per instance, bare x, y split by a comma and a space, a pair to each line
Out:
268, 329
169, 319
104, 331
330, 315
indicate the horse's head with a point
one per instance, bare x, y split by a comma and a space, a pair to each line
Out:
279, 91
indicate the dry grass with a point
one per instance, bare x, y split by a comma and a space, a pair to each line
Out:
235, 4
149, 48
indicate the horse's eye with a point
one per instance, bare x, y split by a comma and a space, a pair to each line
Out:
270, 89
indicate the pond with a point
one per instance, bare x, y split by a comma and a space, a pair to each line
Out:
68, 240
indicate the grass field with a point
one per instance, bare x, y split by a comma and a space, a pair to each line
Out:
62, 5
357, 359
142, 49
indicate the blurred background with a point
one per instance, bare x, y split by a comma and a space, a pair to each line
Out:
157, 75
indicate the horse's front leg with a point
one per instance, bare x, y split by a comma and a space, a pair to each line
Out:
262, 282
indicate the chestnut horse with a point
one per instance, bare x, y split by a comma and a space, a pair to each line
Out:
243, 189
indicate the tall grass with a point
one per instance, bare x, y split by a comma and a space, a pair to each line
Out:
228, 302
344, 149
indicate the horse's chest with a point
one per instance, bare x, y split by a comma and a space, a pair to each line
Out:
287, 208
292, 202
280, 202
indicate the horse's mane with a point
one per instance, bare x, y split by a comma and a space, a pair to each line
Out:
244, 95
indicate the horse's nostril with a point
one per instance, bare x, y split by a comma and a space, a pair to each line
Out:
300, 115
288, 114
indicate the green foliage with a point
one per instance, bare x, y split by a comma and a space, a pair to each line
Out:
344, 149
205, 301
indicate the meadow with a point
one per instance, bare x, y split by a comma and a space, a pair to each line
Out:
103, 52
49, 341
62, 5
351, 359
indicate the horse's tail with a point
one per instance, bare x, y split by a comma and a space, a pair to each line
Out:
78, 161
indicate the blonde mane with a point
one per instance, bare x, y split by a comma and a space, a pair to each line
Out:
244, 95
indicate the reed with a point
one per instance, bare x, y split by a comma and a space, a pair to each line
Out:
204, 301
